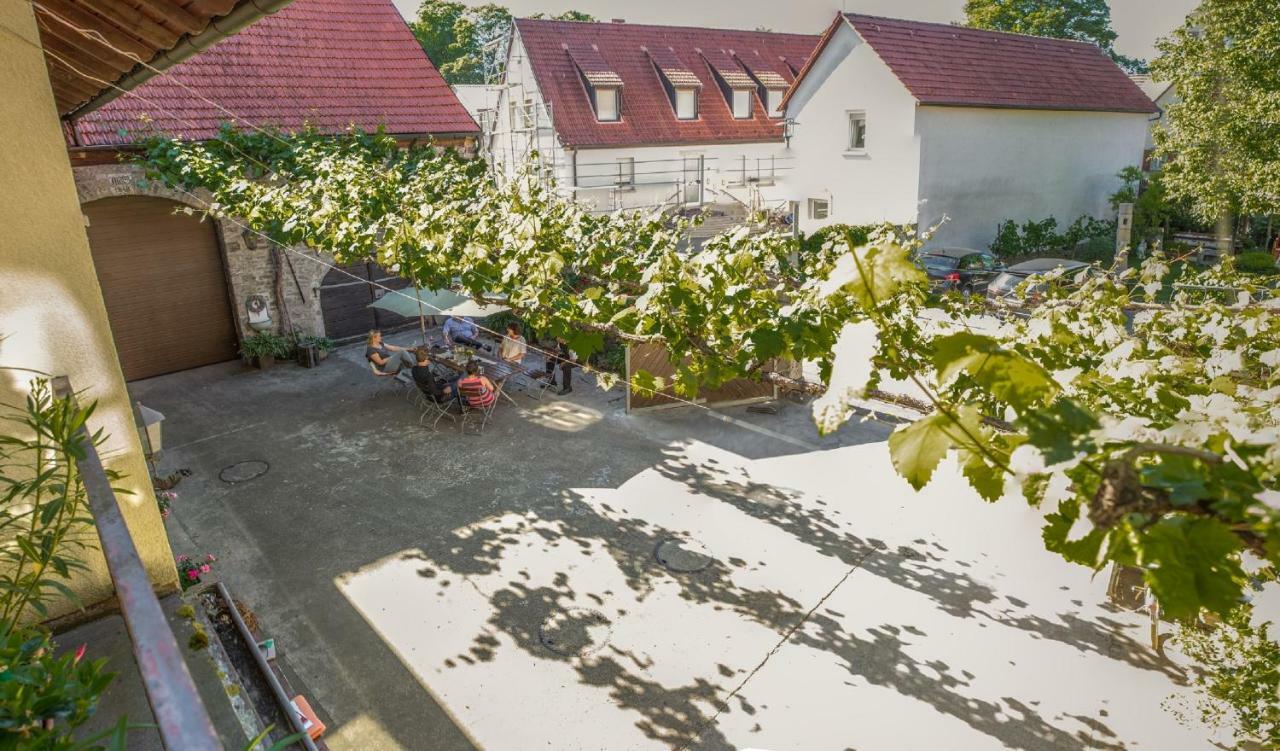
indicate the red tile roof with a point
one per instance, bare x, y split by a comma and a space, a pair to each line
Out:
332, 63
631, 51
942, 64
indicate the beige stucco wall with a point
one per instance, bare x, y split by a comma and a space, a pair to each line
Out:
52, 318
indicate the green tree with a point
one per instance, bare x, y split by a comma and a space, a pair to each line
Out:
1221, 140
1082, 20
469, 44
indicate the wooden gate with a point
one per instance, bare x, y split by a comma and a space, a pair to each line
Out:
345, 295
654, 359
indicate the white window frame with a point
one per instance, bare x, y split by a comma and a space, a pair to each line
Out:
817, 213
526, 113
851, 144
740, 96
616, 112
626, 173
689, 96
773, 101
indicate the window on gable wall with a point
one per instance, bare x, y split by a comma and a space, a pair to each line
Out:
773, 101
857, 131
607, 105
686, 104
819, 208
742, 103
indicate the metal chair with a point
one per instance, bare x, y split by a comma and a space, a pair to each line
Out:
432, 408
468, 391
397, 380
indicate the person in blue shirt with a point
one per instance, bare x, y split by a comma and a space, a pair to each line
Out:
459, 330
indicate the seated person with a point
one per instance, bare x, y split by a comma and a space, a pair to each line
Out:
459, 330
438, 390
387, 358
513, 347
476, 389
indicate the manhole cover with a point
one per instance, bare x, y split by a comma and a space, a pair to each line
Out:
243, 471
576, 631
682, 556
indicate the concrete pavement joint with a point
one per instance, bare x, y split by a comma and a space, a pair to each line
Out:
781, 643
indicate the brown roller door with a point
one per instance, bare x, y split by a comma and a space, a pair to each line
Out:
162, 279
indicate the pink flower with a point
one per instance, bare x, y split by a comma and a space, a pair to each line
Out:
182, 558
206, 568
164, 514
210, 558
192, 574
80, 652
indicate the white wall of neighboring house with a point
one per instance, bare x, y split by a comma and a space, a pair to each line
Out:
881, 182
976, 166
979, 167
688, 174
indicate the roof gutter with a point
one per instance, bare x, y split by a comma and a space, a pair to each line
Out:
247, 12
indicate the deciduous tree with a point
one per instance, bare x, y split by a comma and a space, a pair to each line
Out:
1221, 138
1082, 20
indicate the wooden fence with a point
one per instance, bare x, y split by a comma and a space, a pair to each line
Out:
654, 359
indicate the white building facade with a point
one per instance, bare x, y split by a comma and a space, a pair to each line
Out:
629, 116
912, 123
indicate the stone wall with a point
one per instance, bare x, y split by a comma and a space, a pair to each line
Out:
247, 257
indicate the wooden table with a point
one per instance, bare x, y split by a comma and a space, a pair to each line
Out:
495, 369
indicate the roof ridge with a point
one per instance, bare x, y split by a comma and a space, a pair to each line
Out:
974, 29
628, 24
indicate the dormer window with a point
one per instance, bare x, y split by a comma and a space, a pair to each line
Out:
773, 101
768, 78
607, 105
734, 82
686, 104
681, 85
603, 86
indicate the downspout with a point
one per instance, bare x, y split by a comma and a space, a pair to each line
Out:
573, 154
186, 47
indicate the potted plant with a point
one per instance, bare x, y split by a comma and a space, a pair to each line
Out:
322, 345
263, 349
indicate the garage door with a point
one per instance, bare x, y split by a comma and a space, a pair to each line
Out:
162, 279
345, 294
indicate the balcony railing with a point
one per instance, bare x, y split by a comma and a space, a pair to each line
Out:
181, 717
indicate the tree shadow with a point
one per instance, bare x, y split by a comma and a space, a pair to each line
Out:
918, 568
686, 716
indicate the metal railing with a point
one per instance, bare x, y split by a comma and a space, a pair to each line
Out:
183, 722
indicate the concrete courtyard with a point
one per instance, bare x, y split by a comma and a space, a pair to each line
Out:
579, 578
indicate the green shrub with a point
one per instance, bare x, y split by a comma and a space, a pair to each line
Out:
861, 233
613, 358
1257, 262
266, 344
1042, 237
498, 322
321, 343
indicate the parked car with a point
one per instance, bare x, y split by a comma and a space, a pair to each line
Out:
1006, 283
964, 269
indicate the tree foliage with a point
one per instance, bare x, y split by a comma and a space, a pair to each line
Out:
468, 44
1082, 20
1148, 434
1221, 138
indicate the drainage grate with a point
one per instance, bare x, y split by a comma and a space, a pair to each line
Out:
243, 471
575, 631
682, 556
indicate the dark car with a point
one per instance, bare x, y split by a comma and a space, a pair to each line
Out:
962, 269
1006, 283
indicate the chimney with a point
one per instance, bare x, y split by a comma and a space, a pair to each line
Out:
618, 20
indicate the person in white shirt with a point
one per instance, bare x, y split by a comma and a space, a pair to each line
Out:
513, 347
